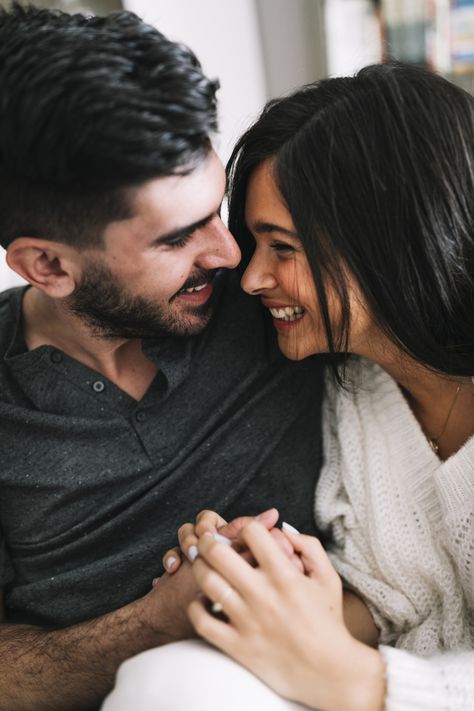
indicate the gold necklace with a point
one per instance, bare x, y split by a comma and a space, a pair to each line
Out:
433, 441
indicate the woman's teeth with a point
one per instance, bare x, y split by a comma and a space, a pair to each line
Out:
289, 313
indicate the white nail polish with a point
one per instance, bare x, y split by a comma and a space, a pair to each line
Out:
222, 539
288, 527
170, 561
193, 552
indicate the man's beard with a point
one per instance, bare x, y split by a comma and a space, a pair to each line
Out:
110, 311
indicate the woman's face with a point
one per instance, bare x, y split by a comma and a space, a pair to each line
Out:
280, 274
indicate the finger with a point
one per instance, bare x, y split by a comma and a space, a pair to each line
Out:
268, 553
224, 597
208, 521
295, 560
188, 541
297, 563
233, 529
229, 564
172, 560
315, 559
283, 542
212, 629
287, 548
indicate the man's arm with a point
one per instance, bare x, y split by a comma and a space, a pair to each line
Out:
73, 669
358, 619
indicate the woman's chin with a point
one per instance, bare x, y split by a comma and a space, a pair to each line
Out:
296, 350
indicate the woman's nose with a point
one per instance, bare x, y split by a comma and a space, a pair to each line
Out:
257, 278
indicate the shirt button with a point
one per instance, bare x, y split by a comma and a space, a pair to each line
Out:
56, 357
98, 386
140, 416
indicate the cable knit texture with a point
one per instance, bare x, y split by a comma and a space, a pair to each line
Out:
403, 526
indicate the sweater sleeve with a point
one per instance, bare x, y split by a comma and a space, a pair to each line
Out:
362, 548
441, 683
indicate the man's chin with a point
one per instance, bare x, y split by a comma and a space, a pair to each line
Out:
193, 326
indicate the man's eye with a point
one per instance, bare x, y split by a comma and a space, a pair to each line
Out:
180, 241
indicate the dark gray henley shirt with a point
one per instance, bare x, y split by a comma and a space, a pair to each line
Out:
93, 484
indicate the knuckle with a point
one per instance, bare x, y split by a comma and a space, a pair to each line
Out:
316, 544
203, 526
205, 513
184, 530
286, 575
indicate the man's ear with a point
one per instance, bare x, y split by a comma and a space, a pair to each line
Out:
50, 266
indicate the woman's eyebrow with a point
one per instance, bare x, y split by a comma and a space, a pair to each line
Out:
261, 227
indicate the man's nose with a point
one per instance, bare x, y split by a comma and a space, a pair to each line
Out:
220, 250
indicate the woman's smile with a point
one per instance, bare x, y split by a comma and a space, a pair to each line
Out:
285, 316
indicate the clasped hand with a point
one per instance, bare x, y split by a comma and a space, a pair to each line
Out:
281, 605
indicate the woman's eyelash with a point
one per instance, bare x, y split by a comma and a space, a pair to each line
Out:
282, 247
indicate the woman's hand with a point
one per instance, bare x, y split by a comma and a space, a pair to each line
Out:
285, 627
229, 533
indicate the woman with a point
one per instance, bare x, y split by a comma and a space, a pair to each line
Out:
353, 201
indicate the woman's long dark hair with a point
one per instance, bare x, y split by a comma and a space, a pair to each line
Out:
377, 171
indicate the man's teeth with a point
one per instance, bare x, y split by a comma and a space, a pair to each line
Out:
289, 313
195, 288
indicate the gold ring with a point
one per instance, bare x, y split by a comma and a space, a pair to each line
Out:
219, 606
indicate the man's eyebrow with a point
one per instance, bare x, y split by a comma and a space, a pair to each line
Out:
261, 227
176, 235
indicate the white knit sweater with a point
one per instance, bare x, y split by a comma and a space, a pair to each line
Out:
403, 526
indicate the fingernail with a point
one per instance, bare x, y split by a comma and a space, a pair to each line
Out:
222, 539
192, 552
264, 513
170, 561
288, 527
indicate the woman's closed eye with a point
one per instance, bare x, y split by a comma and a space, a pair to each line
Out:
283, 248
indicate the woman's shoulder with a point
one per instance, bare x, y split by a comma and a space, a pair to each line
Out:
362, 379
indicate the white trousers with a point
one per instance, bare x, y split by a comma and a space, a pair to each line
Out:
190, 676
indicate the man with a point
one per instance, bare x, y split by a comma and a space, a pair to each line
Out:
138, 384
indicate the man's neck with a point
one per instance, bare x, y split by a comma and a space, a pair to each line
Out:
46, 321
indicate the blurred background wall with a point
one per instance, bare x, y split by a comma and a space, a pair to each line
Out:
263, 48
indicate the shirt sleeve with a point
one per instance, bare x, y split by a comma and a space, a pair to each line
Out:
441, 683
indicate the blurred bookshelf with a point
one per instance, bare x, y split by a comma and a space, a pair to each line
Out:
437, 34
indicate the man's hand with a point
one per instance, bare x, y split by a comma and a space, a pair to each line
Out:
164, 607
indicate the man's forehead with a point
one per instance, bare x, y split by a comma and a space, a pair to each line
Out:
172, 204
203, 185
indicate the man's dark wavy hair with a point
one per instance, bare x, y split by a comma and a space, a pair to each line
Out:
377, 171
89, 108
